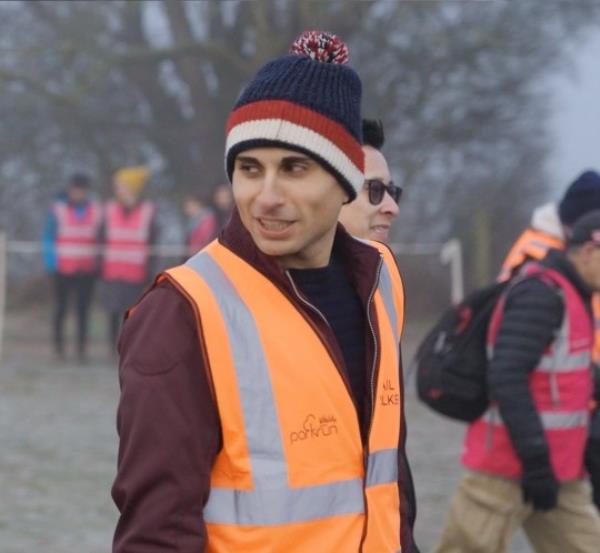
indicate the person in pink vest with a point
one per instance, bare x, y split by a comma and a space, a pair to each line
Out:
201, 224
130, 230
70, 252
222, 204
526, 456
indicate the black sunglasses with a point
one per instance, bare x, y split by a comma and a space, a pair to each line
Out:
377, 190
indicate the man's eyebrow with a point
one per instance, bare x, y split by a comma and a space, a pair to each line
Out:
292, 159
247, 159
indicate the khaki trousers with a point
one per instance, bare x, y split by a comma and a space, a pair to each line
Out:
486, 512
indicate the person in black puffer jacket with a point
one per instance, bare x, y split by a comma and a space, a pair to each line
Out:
526, 454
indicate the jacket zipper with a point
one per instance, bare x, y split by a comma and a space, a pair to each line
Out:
366, 445
323, 341
373, 376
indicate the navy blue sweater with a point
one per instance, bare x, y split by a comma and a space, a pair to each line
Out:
329, 290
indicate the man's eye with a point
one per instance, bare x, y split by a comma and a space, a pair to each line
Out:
248, 167
296, 167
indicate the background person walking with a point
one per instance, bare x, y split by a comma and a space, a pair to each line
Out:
526, 455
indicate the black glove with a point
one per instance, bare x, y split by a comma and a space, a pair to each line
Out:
596, 497
540, 487
592, 456
596, 373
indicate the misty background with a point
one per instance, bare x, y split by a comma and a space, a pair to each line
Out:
488, 105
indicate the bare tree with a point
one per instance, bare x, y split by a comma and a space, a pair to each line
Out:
99, 84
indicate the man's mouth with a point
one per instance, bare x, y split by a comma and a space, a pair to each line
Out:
274, 228
380, 228
380, 231
274, 224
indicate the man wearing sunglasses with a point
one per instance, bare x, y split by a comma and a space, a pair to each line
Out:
372, 213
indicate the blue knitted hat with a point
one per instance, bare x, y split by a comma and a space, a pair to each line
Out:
582, 196
307, 101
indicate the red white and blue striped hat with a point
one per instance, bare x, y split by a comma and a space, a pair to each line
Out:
307, 101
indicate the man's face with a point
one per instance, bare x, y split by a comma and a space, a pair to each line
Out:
124, 194
589, 270
361, 218
192, 207
77, 194
222, 197
289, 204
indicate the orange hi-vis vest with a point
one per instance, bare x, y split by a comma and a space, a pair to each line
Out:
293, 475
76, 238
531, 245
534, 245
127, 242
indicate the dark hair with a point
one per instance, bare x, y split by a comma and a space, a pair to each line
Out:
79, 180
373, 134
585, 229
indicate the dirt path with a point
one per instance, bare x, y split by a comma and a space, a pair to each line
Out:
57, 430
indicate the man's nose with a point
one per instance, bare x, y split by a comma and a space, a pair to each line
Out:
270, 192
389, 206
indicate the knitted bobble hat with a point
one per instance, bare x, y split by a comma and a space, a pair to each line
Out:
307, 101
583, 195
133, 178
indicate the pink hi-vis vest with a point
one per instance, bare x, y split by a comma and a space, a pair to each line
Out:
561, 386
76, 238
202, 234
127, 242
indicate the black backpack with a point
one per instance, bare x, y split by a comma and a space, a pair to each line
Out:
451, 361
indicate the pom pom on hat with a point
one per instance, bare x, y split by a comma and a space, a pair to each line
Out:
133, 178
321, 46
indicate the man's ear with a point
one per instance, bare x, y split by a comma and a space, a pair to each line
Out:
587, 248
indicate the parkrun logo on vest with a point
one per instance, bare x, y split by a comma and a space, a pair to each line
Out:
389, 396
314, 427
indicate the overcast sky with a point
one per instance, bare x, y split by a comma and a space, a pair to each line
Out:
576, 116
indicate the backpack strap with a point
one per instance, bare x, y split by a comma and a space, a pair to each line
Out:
531, 270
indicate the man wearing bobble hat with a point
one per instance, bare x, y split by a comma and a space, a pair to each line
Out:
262, 402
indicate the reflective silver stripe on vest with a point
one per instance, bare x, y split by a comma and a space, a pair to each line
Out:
118, 254
258, 402
67, 231
558, 421
560, 358
124, 234
385, 287
76, 250
550, 420
264, 506
272, 501
565, 363
382, 467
